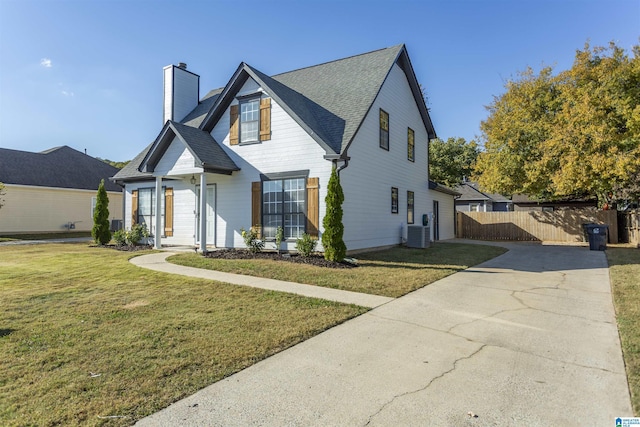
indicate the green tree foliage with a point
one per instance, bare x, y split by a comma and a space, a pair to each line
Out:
100, 231
567, 135
334, 247
113, 163
452, 160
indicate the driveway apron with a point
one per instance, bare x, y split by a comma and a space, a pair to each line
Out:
528, 338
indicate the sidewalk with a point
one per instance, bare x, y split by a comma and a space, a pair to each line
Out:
157, 262
528, 338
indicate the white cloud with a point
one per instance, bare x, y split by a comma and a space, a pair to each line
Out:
67, 93
46, 63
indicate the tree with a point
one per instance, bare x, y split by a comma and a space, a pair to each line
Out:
334, 247
572, 134
452, 160
100, 231
114, 163
2, 193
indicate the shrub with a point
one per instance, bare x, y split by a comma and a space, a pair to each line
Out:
306, 245
120, 237
100, 231
279, 237
334, 247
137, 232
251, 240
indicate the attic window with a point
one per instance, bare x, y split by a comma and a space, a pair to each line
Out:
249, 120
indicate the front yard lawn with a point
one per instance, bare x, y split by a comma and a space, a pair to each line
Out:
84, 334
624, 269
392, 272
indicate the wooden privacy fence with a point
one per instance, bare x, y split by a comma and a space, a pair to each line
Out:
629, 227
556, 226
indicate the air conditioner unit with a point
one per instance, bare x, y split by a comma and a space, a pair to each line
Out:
418, 236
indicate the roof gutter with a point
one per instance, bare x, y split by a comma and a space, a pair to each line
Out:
335, 158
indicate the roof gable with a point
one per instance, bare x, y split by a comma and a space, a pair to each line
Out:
61, 167
204, 149
331, 100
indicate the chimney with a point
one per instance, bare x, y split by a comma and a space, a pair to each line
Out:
181, 92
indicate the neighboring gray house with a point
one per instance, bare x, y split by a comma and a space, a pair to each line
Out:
259, 152
53, 191
472, 199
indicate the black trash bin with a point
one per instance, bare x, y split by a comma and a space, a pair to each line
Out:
597, 236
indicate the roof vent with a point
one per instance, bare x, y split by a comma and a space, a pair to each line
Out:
182, 65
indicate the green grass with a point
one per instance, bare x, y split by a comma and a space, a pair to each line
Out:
69, 310
624, 268
393, 272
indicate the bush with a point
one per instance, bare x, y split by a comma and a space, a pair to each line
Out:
120, 237
137, 232
306, 245
279, 237
251, 240
100, 231
334, 247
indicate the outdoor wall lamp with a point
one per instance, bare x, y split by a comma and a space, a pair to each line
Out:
193, 180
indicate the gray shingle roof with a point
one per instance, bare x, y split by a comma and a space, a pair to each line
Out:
340, 92
206, 151
470, 190
60, 167
329, 100
204, 148
195, 117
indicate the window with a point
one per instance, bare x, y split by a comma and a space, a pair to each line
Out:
547, 209
147, 207
94, 200
409, 207
411, 147
394, 200
249, 120
284, 205
474, 207
384, 129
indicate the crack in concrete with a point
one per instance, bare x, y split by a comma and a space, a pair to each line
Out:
408, 393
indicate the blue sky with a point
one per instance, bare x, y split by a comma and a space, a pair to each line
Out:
88, 74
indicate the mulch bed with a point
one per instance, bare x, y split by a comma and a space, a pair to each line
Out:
317, 260
125, 248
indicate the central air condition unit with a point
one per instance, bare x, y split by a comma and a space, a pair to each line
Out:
418, 236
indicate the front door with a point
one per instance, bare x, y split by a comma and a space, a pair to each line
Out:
211, 214
436, 220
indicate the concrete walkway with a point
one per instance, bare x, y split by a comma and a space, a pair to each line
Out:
526, 339
157, 262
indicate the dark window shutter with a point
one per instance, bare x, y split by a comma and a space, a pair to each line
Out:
233, 125
265, 119
256, 200
168, 212
313, 211
134, 207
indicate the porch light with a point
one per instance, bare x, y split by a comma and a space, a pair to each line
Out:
193, 180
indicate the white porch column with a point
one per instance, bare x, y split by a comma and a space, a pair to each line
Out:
203, 212
158, 220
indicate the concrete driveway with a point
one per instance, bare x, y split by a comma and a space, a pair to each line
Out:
528, 339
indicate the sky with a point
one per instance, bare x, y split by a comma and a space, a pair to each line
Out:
88, 74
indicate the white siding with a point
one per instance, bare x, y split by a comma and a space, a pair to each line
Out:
372, 171
29, 209
176, 160
447, 215
289, 149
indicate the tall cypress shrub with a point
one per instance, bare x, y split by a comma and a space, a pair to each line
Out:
100, 231
334, 247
